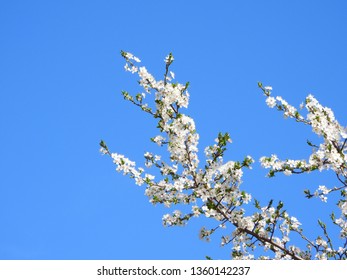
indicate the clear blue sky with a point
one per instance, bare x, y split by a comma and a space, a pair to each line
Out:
61, 76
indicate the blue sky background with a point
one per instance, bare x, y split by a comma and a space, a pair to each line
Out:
61, 75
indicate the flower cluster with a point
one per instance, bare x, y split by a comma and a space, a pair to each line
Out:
331, 154
214, 191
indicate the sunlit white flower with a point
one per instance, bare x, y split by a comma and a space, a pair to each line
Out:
271, 101
287, 172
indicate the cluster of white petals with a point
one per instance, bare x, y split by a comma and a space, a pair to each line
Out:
214, 190
331, 154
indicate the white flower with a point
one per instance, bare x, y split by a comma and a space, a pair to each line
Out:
149, 177
196, 211
130, 56
138, 181
321, 242
159, 140
209, 212
103, 151
169, 58
148, 155
287, 172
323, 189
294, 223
271, 102
157, 158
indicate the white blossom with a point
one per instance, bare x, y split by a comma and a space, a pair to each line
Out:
271, 102
214, 191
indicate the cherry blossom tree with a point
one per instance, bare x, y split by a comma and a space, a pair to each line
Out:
211, 187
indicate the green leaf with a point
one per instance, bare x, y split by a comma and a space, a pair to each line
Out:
308, 194
139, 97
311, 144
256, 203
280, 205
332, 216
210, 205
270, 203
103, 144
321, 224
123, 53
